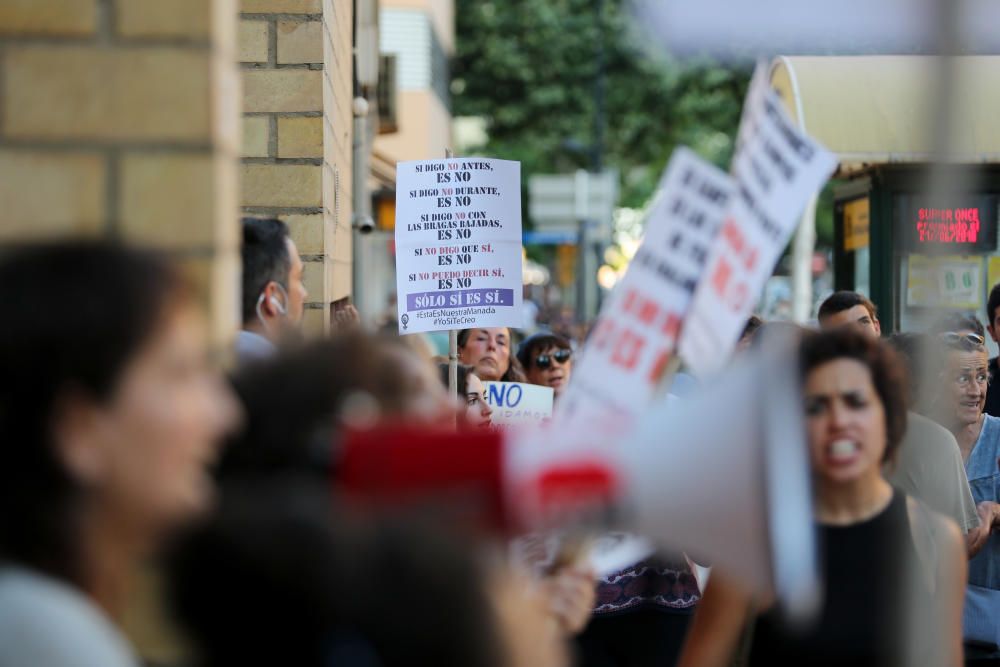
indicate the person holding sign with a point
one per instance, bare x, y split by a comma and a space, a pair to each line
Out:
487, 350
475, 411
547, 360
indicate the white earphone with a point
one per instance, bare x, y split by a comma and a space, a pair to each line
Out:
277, 305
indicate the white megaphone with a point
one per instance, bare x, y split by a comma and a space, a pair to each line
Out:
724, 476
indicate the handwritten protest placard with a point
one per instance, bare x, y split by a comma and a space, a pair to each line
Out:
777, 168
518, 403
458, 244
636, 333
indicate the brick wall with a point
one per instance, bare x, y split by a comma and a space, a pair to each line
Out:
120, 118
296, 59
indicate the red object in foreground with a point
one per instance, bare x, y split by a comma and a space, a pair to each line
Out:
466, 478
399, 466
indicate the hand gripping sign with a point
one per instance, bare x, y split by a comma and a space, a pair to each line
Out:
458, 244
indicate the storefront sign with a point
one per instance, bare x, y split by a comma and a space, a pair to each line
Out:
965, 225
856, 224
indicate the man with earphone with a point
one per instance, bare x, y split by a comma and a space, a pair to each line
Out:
273, 293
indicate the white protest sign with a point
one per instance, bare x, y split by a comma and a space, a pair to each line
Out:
518, 403
458, 244
636, 333
777, 168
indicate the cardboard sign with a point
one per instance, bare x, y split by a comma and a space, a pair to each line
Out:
518, 403
777, 168
458, 244
636, 333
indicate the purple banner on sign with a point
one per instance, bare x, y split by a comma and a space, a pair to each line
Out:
460, 299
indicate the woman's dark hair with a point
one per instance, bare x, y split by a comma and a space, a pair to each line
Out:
75, 315
887, 372
534, 345
515, 372
294, 402
463, 377
276, 576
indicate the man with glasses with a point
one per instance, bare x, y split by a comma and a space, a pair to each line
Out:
547, 359
929, 463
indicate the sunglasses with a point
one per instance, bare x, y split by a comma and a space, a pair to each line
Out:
954, 338
543, 361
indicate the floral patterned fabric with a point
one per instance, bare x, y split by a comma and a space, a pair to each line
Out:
651, 583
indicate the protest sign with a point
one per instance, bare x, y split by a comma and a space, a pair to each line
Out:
636, 333
777, 168
518, 403
458, 244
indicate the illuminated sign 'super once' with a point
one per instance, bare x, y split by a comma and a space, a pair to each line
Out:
948, 225
971, 226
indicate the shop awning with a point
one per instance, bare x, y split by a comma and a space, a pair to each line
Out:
878, 109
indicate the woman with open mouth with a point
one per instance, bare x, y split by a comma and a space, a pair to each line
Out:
893, 571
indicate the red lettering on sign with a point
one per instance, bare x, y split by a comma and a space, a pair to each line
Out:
672, 326
649, 312
721, 276
658, 367
946, 225
628, 349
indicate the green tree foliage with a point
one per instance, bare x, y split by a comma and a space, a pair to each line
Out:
529, 67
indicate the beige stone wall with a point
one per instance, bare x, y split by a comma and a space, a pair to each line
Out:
119, 119
424, 131
297, 79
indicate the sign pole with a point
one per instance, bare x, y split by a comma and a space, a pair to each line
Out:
452, 343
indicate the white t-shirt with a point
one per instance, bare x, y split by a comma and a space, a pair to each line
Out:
44, 621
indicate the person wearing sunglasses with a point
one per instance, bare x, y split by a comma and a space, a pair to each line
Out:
547, 359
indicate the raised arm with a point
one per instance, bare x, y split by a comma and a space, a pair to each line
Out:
717, 626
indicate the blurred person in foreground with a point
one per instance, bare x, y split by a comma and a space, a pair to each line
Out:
273, 293
928, 465
298, 400
298, 403
278, 577
958, 403
474, 412
893, 570
106, 428
547, 360
488, 351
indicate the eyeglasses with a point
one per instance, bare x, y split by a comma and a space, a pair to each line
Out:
543, 361
962, 340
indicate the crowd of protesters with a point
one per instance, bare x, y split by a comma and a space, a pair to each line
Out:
124, 443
